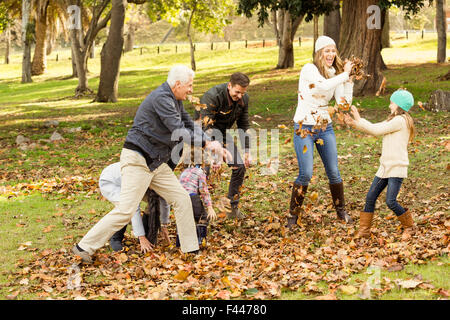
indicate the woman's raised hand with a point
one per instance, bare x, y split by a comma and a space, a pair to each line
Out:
348, 66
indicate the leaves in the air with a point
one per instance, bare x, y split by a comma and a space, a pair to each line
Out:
207, 121
358, 68
195, 101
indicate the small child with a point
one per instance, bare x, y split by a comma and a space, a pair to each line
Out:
193, 180
397, 131
110, 184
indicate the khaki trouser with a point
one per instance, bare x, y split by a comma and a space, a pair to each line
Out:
136, 179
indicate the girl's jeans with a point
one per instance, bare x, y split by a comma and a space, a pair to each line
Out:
393, 187
327, 150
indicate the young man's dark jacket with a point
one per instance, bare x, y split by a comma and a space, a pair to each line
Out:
223, 112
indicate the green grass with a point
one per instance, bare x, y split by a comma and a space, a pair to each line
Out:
436, 273
24, 108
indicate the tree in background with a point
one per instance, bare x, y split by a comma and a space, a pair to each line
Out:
111, 54
5, 26
98, 13
39, 62
385, 33
208, 16
332, 22
441, 31
286, 17
27, 40
361, 30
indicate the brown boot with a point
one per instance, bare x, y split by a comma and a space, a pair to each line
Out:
407, 222
365, 222
297, 197
337, 193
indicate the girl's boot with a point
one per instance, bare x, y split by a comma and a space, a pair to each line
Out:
408, 224
365, 222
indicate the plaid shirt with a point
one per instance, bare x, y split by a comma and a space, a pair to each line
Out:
193, 180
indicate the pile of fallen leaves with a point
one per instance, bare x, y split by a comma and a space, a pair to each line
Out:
250, 259
64, 186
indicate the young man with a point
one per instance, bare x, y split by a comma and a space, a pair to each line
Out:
143, 161
227, 104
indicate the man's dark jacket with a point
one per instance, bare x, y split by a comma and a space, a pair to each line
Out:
223, 112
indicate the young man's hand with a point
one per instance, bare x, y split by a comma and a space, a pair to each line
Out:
146, 246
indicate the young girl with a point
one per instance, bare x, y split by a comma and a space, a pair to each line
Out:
397, 131
193, 180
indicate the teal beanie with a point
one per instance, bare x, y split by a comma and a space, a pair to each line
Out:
403, 98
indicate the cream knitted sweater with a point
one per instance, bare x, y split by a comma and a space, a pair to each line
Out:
315, 93
394, 153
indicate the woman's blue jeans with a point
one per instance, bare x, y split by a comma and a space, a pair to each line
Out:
327, 150
393, 187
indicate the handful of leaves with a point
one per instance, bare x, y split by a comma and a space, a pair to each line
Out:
358, 68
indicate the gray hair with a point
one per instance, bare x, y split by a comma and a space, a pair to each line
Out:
179, 73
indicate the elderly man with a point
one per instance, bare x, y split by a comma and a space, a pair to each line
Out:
226, 104
143, 161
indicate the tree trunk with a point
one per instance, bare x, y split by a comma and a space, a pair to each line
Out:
316, 32
385, 37
8, 43
26, 41
441, 31
358, 39
79, 56
74, 65
285, 29
92, 51
50, 45
39, 63
193, 67
81, 45
111, 54
129, 42
332, 23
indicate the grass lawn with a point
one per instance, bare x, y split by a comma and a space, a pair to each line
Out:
49, 199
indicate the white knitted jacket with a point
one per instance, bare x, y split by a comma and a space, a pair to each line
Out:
315, 93
394, 152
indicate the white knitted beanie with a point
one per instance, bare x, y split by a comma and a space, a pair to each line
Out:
323, 41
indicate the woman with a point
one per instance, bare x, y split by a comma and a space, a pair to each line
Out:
319, 81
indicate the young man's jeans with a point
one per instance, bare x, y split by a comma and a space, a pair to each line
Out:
327, 150
393, 187
237, 172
